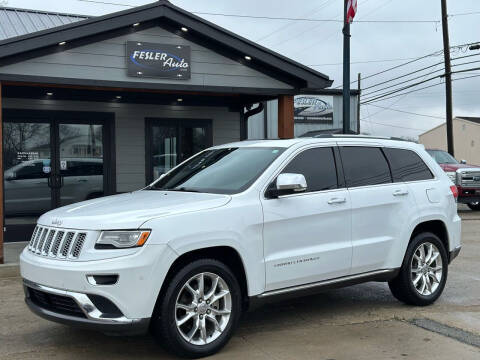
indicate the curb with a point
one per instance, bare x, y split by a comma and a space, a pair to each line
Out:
9, 271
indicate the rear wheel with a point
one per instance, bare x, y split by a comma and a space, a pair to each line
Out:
423, 273
474, 206
200, 309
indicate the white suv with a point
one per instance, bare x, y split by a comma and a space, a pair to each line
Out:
240, 222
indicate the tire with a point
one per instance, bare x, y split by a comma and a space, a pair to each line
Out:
199, 307
474, 206
419, 284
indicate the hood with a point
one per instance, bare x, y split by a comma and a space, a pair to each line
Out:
129, 211
455, 167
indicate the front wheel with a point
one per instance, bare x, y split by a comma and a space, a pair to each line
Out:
423, 273
475, 206
200, 309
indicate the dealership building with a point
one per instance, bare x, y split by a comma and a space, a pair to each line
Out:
104, 105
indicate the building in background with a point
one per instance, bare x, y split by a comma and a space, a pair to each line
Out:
314, 113
466, 135
104, 105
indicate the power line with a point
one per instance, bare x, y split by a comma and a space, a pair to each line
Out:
423, 69
425, 87
395, 126
406, 112
278, 17
364, 62
464, 14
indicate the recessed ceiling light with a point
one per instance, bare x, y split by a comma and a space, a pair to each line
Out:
179, 99
139, 73
136, 24
49, 93
62, 43
248, 58
118, 97
184, 29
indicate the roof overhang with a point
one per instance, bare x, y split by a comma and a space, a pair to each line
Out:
163, 13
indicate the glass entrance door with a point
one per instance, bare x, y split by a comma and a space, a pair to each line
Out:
27, 175
171, 141
49, 162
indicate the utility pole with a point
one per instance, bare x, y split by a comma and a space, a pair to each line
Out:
358, 101
448, 78
346, 71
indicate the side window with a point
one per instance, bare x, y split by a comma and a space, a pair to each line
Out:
407, 166
318, 167
364, 166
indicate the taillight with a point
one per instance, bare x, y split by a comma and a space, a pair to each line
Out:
454, 191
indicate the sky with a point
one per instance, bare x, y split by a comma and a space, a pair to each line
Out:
375, 47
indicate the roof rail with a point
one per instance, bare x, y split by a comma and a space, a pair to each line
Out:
358, 137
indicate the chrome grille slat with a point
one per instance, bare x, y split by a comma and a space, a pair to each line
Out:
57, 243
48, 242
77, 245
67, 242
39, 245
32, 240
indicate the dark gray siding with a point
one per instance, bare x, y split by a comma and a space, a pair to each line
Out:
105, 60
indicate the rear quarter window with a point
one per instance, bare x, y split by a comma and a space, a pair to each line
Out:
406, 165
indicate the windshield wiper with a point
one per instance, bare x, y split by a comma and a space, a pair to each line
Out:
184, 189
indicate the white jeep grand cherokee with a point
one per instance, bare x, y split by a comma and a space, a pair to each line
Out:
239, 222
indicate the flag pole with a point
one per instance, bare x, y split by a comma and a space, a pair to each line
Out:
346, 71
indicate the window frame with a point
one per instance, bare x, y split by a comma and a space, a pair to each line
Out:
434, 175
292, 156
376, 146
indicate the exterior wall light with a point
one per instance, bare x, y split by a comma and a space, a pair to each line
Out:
248, 57
118, 97
184, 29
62, 43
179, 99
136, 24
49, 93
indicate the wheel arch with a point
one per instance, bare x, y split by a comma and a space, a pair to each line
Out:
225, 254
434, 226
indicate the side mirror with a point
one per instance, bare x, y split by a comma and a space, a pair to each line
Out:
9, 176
463, 161
288, 184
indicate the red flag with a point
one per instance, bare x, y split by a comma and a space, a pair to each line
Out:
351, 10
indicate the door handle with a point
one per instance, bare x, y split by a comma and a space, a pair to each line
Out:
400, 192
337, 201
82, 180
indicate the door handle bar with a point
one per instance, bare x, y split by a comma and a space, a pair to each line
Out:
400, 192
337, 201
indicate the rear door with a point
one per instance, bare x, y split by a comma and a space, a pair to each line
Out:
307, 235
380, 207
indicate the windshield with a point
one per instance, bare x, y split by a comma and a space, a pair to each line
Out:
442, 157
219, 171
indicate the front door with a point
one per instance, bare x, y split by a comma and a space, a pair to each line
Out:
171, 141
50, 160
307, 236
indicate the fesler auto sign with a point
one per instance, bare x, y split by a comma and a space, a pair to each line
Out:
313, 109
158, 60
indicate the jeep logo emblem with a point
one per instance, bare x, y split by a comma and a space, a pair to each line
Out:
57, 221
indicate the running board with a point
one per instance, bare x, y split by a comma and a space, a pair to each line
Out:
378, 275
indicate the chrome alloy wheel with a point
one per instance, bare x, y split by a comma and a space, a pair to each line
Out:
203, 308
426, 269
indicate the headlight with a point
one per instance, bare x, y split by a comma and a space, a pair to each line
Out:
122, 239
452, 175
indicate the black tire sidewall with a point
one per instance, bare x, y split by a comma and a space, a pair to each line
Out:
175, 342
414, 295
474, 206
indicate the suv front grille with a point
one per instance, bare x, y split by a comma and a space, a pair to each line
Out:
468, 178
57, 243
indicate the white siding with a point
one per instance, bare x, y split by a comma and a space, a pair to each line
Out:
130, 129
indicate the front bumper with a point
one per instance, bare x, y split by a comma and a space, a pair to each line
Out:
140, 277
89, 316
